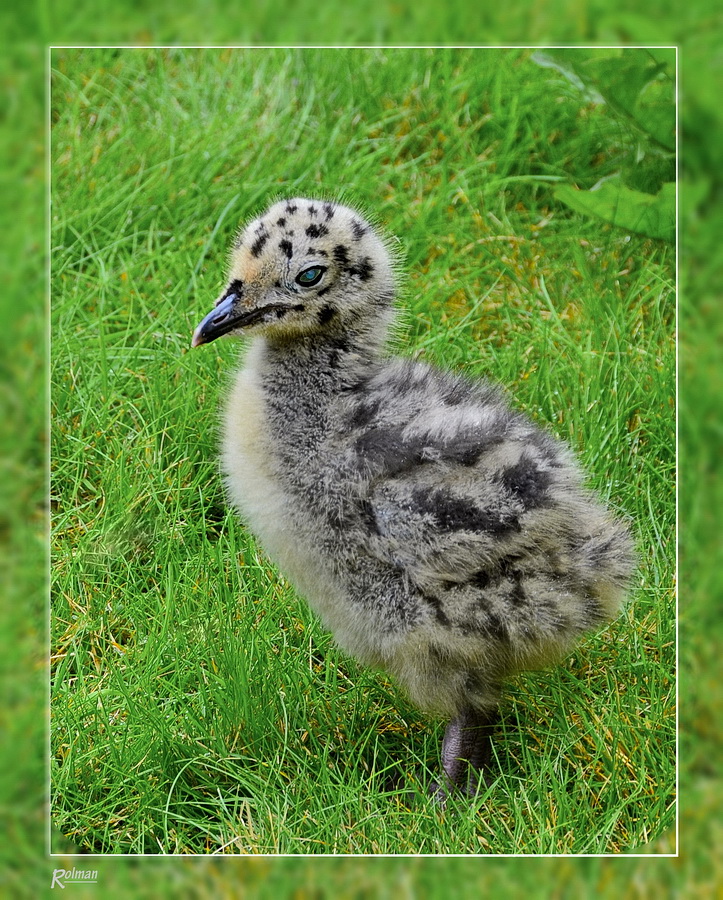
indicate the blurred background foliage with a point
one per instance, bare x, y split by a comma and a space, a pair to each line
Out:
638, 87
697, 29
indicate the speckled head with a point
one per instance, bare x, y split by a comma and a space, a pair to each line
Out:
302, 268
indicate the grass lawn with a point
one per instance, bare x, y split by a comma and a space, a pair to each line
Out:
197, 706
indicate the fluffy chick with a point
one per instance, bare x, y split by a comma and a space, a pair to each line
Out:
439, 534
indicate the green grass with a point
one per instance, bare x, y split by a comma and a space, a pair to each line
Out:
197, 705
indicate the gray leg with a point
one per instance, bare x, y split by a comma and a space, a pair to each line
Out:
467, 749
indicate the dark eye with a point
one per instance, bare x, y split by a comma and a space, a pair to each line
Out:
310, 277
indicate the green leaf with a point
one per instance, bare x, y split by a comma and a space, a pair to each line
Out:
650, 214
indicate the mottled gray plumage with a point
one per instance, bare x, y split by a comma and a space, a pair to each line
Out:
439, 534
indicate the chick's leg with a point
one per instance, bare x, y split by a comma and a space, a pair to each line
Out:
467, 747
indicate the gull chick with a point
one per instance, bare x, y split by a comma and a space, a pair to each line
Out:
438, 533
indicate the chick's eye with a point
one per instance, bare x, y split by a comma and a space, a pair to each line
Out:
310, 277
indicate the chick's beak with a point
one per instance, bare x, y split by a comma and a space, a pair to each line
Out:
230, 315
222, 319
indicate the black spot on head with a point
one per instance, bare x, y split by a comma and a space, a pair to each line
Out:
280, 313
316, 231
291, 207
315, 251
341, 254
526, 481
324, 290
312, 210
281, 222
236, 287
328, 211
326, 314
358, 230
364, 270
287, 248
258, 244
